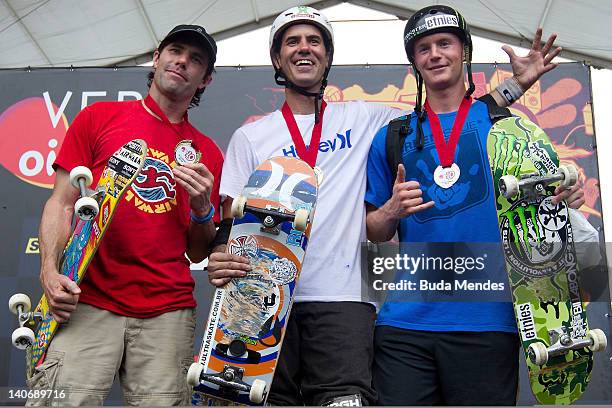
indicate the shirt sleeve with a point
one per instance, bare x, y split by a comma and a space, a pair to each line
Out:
240, 161
586, 239
379, 179
381, 115
78, 146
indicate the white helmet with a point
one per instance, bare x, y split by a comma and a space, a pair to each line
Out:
302, 14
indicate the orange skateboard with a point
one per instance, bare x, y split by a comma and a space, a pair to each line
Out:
244, 334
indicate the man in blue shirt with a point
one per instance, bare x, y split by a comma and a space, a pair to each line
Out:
430, 353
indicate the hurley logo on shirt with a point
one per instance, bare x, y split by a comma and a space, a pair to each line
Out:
154, 190
341, 141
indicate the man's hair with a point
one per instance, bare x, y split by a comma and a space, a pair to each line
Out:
195, 101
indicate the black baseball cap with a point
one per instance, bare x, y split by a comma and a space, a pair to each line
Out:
199, 33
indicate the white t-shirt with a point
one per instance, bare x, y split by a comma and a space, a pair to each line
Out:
332, 267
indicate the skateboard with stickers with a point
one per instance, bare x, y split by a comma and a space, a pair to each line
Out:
94, 210
541, 263
245, 329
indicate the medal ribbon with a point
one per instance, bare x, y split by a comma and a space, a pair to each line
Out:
308, 155
446, 151
153, 108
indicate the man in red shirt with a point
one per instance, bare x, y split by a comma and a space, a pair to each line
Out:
135, 313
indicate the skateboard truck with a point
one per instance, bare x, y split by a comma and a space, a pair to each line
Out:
271, 218
562, 342
23, 337
229, 381
86, 207
533, 184
238, 351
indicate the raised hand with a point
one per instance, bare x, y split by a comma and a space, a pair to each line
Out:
528, 69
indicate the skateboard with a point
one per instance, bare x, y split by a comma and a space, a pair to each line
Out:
244, 333
540, 257
94, 210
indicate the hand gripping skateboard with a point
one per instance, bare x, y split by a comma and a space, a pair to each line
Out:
94, 210
243, 336
538, 246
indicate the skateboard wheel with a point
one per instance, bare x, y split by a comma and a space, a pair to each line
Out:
238, 206
78, 173
22, 338
570, 175
509, 186
598, 340
19, 299
300, 221
193, 374
86, 208
258, 391
538, 353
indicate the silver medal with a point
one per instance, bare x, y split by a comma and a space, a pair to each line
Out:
445, 177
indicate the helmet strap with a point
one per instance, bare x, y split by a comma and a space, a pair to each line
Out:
318, 96
420, 113
471, 86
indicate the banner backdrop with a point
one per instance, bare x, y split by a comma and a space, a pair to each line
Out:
37, 107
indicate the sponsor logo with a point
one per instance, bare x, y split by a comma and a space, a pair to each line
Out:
531, 248
345, 401
243, 245
213, 319
283, 271
340, 142
269, 301
433, 22
33, 246
104, 215
526, 324
441, 20
34, 130
31, 140
154, 190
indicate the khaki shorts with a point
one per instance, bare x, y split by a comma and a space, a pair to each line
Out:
151, 357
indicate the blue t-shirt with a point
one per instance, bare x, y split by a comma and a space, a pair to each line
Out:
464, 212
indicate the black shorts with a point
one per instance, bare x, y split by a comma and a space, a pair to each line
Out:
326, 353
445, 368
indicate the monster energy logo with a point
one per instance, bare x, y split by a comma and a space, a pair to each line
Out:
520, 211
506, 145
527, 249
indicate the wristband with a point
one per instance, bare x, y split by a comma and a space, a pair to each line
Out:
205, 219
510, 90
223, 232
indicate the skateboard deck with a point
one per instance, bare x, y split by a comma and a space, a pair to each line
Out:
538, 246
121, 170
244, 333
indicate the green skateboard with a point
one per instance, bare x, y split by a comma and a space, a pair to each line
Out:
538, 245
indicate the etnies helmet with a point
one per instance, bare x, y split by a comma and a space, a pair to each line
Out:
432, 20
436, 19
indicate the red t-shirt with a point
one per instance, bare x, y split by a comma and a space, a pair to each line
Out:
140, 269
